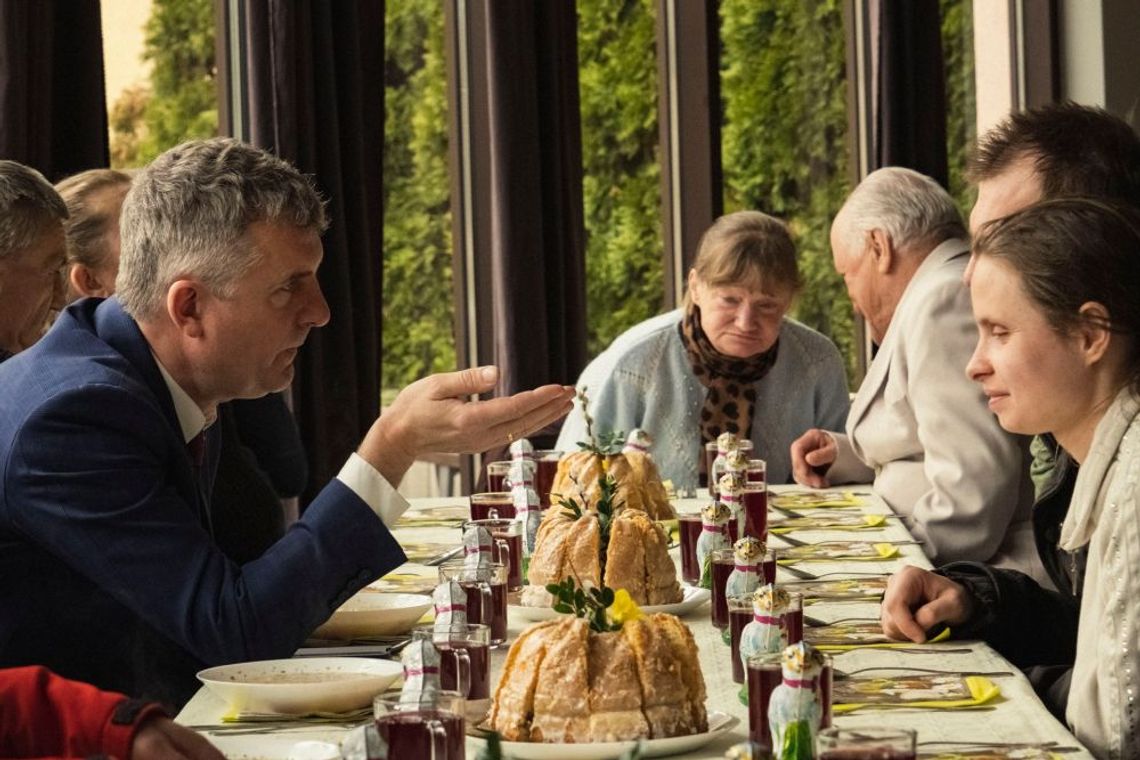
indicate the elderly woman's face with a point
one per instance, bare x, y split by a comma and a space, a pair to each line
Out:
739, 321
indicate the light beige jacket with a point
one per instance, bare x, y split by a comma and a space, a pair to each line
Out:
1104, 515
922, 430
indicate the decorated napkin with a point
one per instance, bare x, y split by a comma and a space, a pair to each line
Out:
422, 551
827, 521
939, 692
851, 634
437, 517
830, 551
868, 589
800, 500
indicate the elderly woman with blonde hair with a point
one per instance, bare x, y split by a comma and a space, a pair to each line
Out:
730, 360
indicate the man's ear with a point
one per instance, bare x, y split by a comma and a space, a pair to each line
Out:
1093, 331
184, 307
882, 251
86, 283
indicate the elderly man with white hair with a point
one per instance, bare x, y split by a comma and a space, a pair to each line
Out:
918, 427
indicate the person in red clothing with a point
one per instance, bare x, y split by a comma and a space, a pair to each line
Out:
45, 716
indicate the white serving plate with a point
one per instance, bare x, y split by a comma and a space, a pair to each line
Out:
693, 598
371, 613
719, 723
346, 683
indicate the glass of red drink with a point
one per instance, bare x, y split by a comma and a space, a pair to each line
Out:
464, 662
757, 471
826, 674
723, 561
865, 744
486, 590
754, 497
430, 732
794, 618
710, 457
497, 475
763, 673
739, 615
546, 467
689, 527
506, 546
492, 505
768, 567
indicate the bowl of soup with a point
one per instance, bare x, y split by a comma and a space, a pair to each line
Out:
301, 685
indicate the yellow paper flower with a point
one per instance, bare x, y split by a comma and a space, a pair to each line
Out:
624, 609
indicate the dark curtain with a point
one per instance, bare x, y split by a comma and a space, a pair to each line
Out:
910, 87
316, 98
537, 234
53, 115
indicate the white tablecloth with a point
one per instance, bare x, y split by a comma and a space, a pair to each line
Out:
1018, 716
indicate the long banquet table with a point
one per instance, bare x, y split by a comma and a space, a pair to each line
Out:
1018, 716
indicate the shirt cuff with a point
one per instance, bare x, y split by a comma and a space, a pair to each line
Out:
364, 480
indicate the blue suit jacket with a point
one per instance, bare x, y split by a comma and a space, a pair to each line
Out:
105, 549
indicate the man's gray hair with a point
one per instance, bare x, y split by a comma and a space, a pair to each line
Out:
187, 215
28, 205
911, 208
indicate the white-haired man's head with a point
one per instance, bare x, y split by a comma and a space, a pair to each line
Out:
883, 232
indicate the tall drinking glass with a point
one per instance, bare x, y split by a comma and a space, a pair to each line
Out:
486, 591
429, 732
506, 546
763, 673
492, 505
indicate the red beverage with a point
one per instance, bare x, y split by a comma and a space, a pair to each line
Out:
506, 547
722, 566
768, 567
739, 615
794, 625
497, 475
546, 467
757, 471
487, 604
492, 505
794, 619
466, 661
690, 530
755, 501
825, 676
764, 674
733, 530
416, 733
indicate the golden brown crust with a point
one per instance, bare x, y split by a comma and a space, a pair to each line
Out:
615, 699
625, 558
513, 704
561, 698
663, 695
639, 482
685, 652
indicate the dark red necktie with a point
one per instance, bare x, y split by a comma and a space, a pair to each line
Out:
196, 447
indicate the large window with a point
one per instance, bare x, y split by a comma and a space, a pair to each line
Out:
621, 171
418, 304
161, 76
961, 117
784, 148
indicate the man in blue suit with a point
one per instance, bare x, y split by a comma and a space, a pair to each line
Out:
108, 570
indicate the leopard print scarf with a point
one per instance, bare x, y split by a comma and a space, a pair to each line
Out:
731, 396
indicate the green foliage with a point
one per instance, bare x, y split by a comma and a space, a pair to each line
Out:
181, 102
418, 332
961, 113
783, 84
621, 171
572, 599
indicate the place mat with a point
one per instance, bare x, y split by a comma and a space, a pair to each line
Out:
983, 750
939, 692
832, 551
800, 500
407, 579
421, 552
844, 635
827, 520
436, 517
869, 589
